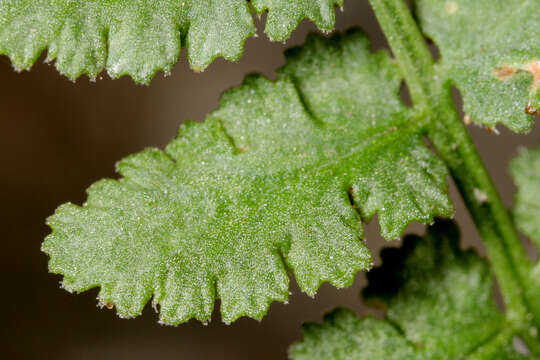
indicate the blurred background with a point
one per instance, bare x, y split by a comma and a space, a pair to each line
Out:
58, 137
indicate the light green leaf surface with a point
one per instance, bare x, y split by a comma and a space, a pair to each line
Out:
439, 303
490, 49
262, 187
140, 37
525, 170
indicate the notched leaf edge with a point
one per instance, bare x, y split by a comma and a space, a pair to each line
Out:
506, 72
107, 297
75, 52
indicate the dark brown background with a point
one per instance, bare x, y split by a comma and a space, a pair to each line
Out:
58, 137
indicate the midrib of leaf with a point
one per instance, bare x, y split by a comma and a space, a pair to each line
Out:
362, 145
492, 338
375, 140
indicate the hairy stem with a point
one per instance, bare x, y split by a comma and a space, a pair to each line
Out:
408, 46
433, 102
503, 245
